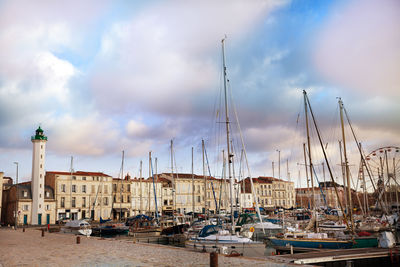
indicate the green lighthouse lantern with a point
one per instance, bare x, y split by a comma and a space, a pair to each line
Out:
39, 135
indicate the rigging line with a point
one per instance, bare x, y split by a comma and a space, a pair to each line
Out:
154, 190
317, 180
361, 154
209, 172
327, 163
247, 164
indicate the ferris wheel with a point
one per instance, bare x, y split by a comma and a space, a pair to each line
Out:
384, 167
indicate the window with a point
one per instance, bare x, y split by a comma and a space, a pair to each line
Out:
105, 201
73, 188
73, 177
62, 204
83, 188
114, 187
198, 199
83, 202
93, 189
129, 199
47, 207
73, 202
63, 188
122, 188
115, 198
129, 188
41, 156
106, 189
41, 166
84, 178
165, 202
47, 194
25, 207
25, 193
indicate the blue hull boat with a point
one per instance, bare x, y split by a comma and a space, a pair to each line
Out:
311, 243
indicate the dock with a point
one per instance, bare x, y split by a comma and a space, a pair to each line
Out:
344, 257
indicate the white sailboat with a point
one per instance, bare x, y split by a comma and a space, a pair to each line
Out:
77, 227
214, 237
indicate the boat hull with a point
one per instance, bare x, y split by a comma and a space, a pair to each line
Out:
252, 249
311, 243
365, 242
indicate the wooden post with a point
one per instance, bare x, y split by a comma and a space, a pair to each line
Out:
42, 232
78, 239
213, 259
23, 229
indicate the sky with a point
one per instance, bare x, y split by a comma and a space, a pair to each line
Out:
102, 77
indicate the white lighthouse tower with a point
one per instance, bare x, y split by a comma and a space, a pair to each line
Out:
37, 187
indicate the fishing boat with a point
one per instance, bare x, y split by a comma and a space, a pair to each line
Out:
77, 227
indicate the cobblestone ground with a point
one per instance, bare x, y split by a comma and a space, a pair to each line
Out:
29, 248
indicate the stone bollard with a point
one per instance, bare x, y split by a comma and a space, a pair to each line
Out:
78, 239
42, 232
23, 229
213, 259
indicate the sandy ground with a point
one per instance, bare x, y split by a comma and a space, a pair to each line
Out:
29, 248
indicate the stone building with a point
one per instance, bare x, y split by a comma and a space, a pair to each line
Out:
81, 195
122, 196
24, 204
271, 192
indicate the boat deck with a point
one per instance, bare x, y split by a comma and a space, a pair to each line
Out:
336, 255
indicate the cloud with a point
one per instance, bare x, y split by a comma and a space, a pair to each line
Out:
359, 47
159, 61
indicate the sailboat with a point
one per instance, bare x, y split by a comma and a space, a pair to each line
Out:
214, 237
314, 240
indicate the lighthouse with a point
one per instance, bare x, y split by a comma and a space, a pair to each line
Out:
37, 186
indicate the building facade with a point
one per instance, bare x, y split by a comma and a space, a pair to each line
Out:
271, 192
81, 195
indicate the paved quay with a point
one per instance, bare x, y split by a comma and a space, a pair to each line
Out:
29, 248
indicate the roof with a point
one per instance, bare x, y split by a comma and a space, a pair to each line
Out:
186, 176
79, 173
26, 186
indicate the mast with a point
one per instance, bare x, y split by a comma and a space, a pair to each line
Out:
193, 204
309, 152
343, 173
227, 135
148, 186
396, 185
204, 177
140, 185
173, 183
308, 181
120, 189
346, 167
70, 187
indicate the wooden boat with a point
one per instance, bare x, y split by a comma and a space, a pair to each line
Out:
313, 240
365, 242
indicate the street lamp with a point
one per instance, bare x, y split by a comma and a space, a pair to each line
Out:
16, 199
279, 164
